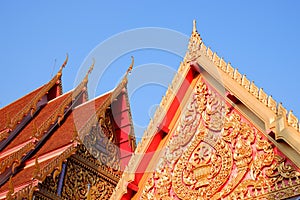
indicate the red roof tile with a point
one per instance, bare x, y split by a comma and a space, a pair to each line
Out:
64, 134
42, 116
60, 138
12, 109
15, 111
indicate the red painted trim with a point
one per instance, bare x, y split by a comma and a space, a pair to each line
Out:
162, 131
120, 112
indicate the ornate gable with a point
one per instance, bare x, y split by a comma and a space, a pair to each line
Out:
69, 135
215, 152
225, 139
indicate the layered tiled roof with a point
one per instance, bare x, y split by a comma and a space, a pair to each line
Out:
219, 70
65, 134
31, 129
29, 132
35, 171
58, 147
13, 108
50, 136
14, 113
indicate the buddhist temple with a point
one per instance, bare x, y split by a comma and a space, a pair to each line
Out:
215, 135
65, 146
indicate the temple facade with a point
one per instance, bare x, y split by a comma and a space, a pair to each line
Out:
64, 146
215, 135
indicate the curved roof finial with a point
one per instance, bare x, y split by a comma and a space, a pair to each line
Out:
91, 67
89, 71
131, 65
63, 65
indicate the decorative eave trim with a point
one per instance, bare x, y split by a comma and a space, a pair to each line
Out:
15, 159
101, 110
129, 172
197, 48
163, 107
40, 174
55, 165
24, 191
32, 105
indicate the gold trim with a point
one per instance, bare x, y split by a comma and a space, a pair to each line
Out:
196, 46
31, 106
101, 111
14, 159
11, 189
55, 165
58, 115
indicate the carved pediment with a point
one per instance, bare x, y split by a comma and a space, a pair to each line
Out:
216, 153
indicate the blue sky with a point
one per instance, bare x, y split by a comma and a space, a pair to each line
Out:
260, 38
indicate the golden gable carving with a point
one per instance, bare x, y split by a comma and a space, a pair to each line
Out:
215, 153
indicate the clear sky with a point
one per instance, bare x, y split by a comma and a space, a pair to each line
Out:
260, 38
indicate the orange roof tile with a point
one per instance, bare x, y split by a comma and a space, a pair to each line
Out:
12, 109
42, 116
55, 141
65, 133
13, 113
33, 129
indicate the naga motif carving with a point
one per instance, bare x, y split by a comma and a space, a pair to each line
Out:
215, 153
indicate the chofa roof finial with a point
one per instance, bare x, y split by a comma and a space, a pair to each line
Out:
131, 65
59, 73
89, 71
194, 26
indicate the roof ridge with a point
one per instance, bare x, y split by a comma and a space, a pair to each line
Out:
31, 106
196, 44
15, 159
58, 114
99, 112
16, 100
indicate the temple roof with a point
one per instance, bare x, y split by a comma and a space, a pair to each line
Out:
15, 107
271, 117
51, 131
14, 113
59, 146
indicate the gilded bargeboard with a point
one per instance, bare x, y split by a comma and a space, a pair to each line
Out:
216, 153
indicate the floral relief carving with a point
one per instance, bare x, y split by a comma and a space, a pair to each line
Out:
78, 179
215, 153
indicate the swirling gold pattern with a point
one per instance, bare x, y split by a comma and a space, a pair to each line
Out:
215, 153
101, 142
79, 177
